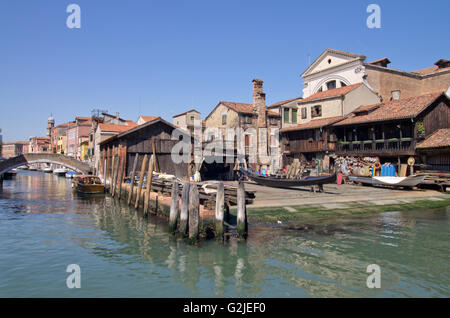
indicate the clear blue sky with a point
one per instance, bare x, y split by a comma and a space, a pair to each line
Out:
164, 57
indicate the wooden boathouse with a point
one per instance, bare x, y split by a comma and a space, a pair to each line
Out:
151, 138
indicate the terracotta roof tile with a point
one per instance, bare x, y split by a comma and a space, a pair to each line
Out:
395, 109
116, 128
239, 107
284, 102
247, 108
439, 139
331, 93
315, 123
146, 118
430, 70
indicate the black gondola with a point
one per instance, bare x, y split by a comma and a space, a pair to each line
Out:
289, 183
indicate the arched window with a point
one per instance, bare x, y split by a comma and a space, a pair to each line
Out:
343, 84
331, 84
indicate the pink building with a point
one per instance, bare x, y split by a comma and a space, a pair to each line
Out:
76, 133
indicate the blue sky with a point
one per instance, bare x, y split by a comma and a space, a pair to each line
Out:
164, 57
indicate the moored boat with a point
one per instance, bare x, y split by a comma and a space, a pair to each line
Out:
47, 170
60, 171
410, 181
289, 183
70, 174
88, 184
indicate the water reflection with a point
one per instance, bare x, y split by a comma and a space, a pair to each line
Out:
111, 240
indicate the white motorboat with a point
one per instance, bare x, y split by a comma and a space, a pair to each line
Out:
60, 171
48, 170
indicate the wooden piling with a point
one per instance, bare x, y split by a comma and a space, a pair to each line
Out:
122, 173
184, 213
141, 180
148, 187
242, 226
173, 217
220, 200
133, 173
116, 175
194, 213
111, 174
104, 171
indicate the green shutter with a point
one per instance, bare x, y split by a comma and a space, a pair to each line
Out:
286, 115
294, 116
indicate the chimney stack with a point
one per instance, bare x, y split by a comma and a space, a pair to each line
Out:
117, 115
259, 102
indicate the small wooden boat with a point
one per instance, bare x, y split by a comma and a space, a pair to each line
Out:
88, 184
410, 181
289, 183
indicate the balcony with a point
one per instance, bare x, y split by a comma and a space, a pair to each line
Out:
305, 146
386, 147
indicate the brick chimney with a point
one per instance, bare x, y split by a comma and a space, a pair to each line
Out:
259, 102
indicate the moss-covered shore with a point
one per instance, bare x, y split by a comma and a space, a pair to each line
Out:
318, 213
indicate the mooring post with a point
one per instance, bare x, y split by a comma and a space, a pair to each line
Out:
148, 186
220, 200
111, 174
184, 213
194, 213
173, 217
122, 172
133, 173
116, 175
141, 180
242, 226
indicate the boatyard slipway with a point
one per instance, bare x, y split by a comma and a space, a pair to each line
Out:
275, 205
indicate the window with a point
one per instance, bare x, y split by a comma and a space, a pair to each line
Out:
395, 95
294, 116
286, 115
224, 119
273, 121
247, 119
343, 84
319, 90
331, 85
247, 140
192, 118
316, 111
303, 112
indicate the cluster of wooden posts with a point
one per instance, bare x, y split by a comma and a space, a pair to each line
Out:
185, 220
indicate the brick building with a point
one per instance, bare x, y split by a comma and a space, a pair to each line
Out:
13, 149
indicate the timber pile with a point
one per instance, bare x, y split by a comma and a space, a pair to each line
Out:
164, 187
439, 179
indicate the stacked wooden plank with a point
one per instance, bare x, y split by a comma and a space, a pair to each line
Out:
438, 179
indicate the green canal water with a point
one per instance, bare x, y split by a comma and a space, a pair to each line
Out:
44, 227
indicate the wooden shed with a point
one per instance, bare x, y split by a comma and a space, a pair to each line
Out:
151, 137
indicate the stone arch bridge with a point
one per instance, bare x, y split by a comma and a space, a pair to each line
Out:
58, 159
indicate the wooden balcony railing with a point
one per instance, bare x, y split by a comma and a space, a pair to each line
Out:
304, 146
403, 146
